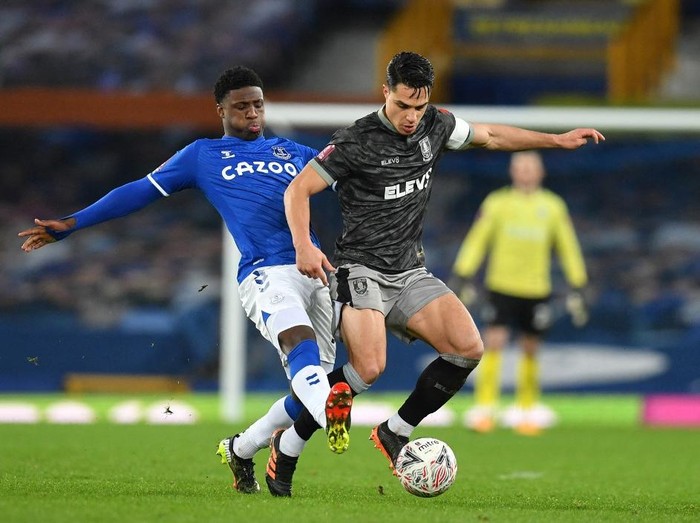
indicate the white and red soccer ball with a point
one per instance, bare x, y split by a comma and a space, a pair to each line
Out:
426, 467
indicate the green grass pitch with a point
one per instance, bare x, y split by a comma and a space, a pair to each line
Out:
598, 464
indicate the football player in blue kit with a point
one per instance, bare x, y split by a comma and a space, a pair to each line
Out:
244, 176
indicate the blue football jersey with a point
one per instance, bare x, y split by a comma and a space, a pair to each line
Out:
245, 181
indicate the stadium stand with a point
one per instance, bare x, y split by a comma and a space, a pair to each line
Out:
135, 287
136, 305
145, 45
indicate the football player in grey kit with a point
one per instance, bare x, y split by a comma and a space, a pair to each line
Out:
384, 170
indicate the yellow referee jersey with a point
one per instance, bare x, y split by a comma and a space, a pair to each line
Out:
519, 232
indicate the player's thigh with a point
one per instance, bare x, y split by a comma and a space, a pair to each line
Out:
275, 300
413, 290
309, 304
427, 309
364, 335
323, 319
446, 325
363, 293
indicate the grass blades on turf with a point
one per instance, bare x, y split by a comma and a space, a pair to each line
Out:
613, 470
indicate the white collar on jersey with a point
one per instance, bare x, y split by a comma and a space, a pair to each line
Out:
385, 120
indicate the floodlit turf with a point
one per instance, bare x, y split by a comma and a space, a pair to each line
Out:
583, 470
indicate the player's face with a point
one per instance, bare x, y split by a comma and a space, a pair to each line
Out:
242, 112
526, 171
405, 106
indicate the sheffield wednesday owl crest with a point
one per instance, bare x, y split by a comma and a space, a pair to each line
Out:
425, 149
360, 286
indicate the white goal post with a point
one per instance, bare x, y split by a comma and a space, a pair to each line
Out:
555, 119
284, 118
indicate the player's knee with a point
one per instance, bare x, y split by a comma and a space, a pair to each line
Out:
369, 371
477, 350
290, 338
471, 347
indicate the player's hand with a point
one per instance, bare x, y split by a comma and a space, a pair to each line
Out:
311, 262
39, 235
464, 288
577, 308
578, 137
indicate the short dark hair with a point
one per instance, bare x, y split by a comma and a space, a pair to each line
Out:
235, 78
410, 69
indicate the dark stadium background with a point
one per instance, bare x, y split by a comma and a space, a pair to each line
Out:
128, 297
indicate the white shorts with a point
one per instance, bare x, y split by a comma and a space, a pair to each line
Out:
279, 297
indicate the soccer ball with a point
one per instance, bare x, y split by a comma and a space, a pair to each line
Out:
426, 467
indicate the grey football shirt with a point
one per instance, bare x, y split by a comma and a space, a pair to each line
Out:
384, 180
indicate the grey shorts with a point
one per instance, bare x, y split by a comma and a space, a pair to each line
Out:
397, 296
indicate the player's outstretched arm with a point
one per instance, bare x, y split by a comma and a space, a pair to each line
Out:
311, 261
40, 234
118, 202
507, 138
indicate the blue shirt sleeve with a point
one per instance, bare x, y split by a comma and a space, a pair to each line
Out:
307, 153
179, 172
119, 202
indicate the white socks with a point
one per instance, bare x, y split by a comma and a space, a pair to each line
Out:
258, 435
310, 384
291, 443
399, 427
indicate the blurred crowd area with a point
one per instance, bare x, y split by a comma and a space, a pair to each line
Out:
182, 45
153, 271
140, 45
145, 45
633, 201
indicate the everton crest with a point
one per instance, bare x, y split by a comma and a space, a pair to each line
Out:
280, 152
425, 149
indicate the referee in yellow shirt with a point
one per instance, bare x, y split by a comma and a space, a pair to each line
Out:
518, 227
